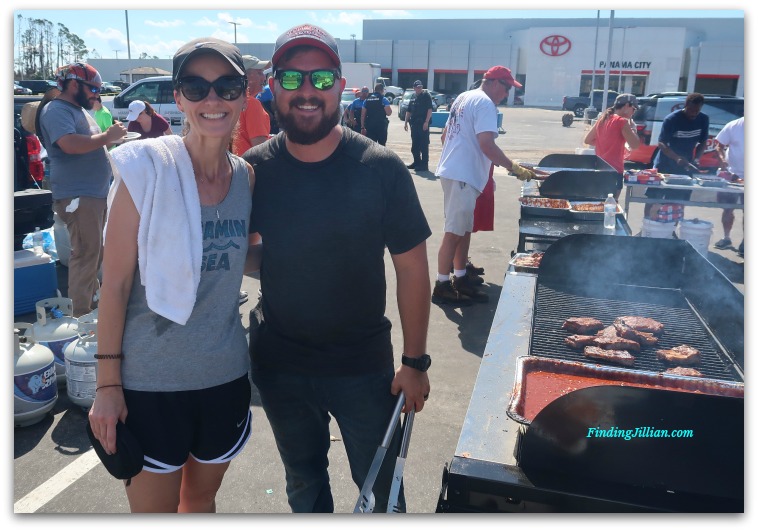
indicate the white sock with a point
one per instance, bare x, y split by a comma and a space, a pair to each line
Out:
459, 272
442, 278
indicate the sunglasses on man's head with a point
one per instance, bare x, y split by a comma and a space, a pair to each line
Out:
293, 79
227, 88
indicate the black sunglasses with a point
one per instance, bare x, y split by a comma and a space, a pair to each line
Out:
227, 88
320, 79
92, 88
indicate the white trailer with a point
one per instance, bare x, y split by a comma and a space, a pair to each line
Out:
360, 75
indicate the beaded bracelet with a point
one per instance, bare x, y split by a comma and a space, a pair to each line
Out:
109, 356
109, 385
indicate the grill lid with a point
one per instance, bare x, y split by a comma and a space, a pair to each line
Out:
580, 184
708, 463
584, 162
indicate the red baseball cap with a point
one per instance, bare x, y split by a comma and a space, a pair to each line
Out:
502, 73
306, 35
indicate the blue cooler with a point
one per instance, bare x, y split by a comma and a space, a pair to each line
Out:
34, 279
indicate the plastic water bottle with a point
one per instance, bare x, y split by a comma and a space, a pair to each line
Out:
609, 213
38, 242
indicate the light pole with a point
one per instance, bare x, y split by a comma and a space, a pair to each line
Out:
117, 53
235, 24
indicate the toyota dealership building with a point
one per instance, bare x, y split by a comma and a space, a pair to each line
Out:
551, 57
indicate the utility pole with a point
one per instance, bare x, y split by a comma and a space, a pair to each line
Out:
117, 53
235, 24
128, 47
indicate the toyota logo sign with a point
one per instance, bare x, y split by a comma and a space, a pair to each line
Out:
555, 45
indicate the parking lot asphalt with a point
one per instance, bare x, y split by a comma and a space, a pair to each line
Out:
52, 468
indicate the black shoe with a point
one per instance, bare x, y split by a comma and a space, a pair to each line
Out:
411, 166
464, 286
474, 279
445, 293
473, 269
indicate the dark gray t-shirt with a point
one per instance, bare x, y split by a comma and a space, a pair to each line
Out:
211, 349
325, 228
88, 174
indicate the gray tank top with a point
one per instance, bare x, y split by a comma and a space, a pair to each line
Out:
211, 349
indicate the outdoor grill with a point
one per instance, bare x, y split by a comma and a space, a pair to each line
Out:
542, 227
504, 462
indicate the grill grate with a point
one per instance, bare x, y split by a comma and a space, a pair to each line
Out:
555, 304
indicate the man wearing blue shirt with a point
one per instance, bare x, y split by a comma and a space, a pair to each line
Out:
681, 143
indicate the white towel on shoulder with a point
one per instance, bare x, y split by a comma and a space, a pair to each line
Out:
159, 176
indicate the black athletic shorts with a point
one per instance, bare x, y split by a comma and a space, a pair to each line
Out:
213, 424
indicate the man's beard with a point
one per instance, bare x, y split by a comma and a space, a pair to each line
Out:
83, 100
288, 123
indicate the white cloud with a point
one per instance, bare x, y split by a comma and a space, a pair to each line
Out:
341, 18
205, 22
164, 23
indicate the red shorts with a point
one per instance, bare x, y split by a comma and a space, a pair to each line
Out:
484, 212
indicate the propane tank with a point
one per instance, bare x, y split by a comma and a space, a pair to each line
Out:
56, 328
35, 390
90, 317
81, 365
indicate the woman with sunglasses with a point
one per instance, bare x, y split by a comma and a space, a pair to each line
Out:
144, 120
172, 354
612, 131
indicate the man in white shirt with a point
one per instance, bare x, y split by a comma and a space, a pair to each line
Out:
469, 149
730, 146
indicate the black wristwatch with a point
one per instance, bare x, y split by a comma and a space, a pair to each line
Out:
421, 363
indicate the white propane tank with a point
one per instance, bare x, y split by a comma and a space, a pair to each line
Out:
81, 365
56, 328
35, 390
90, 317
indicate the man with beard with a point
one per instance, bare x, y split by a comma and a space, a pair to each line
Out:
327, 203
80, 174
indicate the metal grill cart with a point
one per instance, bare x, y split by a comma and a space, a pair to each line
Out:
509, 459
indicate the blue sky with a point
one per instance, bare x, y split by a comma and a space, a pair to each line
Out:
161, 32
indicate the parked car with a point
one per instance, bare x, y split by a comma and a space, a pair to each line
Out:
32, 205
37, 86
158, 91
577, 104
19, 90
721, 109
121, 84
409, 95
109, 89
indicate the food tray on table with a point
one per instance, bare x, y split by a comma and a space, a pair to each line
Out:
526, 262
716, 182
539, 381
544, 206
673, 178
589, 210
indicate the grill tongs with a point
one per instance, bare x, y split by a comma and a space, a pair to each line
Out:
366, 500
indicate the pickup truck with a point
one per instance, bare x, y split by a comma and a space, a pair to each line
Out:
577, 104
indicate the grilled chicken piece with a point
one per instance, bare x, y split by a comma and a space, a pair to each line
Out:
641, 324
579, 341
608, 331
681, 355
621, 357
643, 338
582, 325
684, 371
616, 343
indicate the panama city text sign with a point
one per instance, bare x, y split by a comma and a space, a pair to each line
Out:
637, 65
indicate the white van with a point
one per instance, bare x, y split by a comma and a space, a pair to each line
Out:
158, 92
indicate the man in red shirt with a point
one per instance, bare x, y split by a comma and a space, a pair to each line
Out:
254, 125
